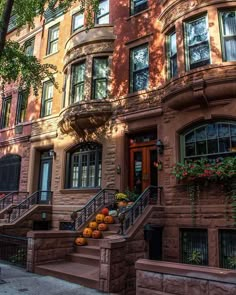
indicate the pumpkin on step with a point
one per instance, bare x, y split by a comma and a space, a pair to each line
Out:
105, 211
109, 219
80, 241
102, 226
96, 234
100, 218
93, 225
87, 232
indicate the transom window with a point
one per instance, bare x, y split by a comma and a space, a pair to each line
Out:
228, 34
197, 43
100, 75
138, 5
6, 110
139, 68
102, 17
211, 140
77, 21
53, 34
84, 166
78, 76
47, 99
10, 172
172, 55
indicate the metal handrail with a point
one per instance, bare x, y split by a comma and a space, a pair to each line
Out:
104, 197
17, 211
129, 216
10, 198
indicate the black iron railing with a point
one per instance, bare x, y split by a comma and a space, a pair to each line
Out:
105, 197
129, 216
12, 198
39, 197
13, 250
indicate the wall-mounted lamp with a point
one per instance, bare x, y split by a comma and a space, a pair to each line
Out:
52, 153
118, 169
160, 147
43, 215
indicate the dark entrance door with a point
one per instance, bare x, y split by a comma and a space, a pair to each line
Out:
143, 156
45, 176
153, 235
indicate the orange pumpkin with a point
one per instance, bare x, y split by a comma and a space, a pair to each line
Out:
105, 211
87, 232
109, 219
96, 234
93, 225
80, 241
102, 226
122, 204
100, 218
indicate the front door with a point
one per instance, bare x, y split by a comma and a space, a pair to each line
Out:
45, 176
143, 172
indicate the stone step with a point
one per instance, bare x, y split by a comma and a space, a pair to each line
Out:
108, 233
93, 242
85, 275
90, 250
85, 259
113, 227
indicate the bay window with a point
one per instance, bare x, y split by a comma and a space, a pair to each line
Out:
100, 78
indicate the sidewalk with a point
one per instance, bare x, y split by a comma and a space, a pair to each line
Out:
16, 281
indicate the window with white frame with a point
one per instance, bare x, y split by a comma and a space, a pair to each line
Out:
78, 76
77, 21
53, 34
47, 98
138, 6
84, 166
228, 34
139, 68
197, 43
100, 77
172, 55
102, 17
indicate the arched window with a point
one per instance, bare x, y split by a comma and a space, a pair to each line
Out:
84, 166
215, 139
10, 172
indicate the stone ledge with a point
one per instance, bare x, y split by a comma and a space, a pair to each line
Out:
51, 234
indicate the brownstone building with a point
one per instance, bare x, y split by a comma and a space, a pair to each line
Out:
151, 84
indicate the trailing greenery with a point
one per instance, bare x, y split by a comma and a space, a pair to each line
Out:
15, 65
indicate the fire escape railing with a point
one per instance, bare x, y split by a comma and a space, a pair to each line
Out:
149, 196
105, 197
12, 198
38, 197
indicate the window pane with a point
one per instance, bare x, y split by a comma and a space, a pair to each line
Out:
229, 23
84, 170
100, 74
223, 130
141, 80
201, 133
190, 137
211, 131
78, 21
212, 146
190, 150
197, 31
199, 53
78, 92
79, 71
139, 5
224, 145
140, 58
100, 67
103, 14
100, 89
230, 48
103, 20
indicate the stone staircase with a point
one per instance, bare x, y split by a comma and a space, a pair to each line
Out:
82, 266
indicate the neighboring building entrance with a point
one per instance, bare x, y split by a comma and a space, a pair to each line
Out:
143, 156
45, 175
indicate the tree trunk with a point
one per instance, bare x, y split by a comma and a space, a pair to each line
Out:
5, 18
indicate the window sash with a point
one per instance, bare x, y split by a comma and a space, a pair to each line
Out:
197, 43
228, 35
138, 6
139, 70
172, 55
29, 47
21, 106
6, 110
53, 35
103, 16
77, 21
78, 76
47, 99
100, 77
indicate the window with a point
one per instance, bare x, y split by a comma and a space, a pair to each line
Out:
172, 55
53, 34
138, 5
78, 75
212, 140
29, 47
194, 246
227, 248
228, 34
197, 43
47, 99
21, 106
100, 75
6, 109
84, 166
10, 172
102, 17
139, 68
77, 21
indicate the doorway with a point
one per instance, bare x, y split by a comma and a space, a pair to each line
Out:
153, 235
143, 157
45, 176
